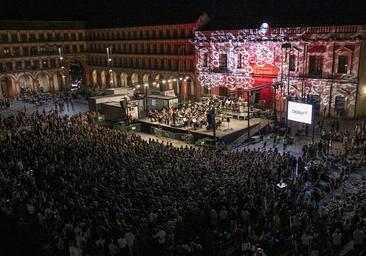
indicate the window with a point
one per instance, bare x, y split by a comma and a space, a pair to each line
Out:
315, 65
340, 103
204, 60
24, 37
34, 50
42, 50
18, 65
4, 38
238, 60
35, 64
222, 61
16, 51
32, 37
14, 38
73, 36
9, 66
53, 63
223, 91
44, 63
67, 48
66, 36
6, 51
41, 37
74, 48
292, 62
25, 51
49, 36
27, 64
342, 64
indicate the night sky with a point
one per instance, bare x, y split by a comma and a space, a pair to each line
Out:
351, 10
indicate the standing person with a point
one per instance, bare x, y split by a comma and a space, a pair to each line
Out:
358, 238
337, 241
72, 104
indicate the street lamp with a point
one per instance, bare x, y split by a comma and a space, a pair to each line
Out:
61, 58
109, 60
286, 46
181, 51
146, 85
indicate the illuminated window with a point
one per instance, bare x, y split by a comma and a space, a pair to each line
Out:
6, 51
223, 61
292, 62
315, 65
342, 64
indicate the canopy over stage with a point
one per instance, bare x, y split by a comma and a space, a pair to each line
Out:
227, 132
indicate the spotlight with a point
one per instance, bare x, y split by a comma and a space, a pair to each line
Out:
164, 81
181, 78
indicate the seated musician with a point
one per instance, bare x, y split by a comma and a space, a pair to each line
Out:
152, 115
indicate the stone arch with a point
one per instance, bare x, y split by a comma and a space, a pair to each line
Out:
158, 80
175, 84
188, 90
43, 82
123, 78
146, 80
57, 81
77, 71
8, 87
25, 82
94, 77
158, 77
170, 83
103, 78
113, 79
134, 79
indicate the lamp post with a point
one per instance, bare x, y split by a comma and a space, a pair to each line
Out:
248, 95
286, 46
109, 60
61, 58
146, 85
181, 51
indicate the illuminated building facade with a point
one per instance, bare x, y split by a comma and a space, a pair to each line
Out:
40, 56
324, 65
52, 56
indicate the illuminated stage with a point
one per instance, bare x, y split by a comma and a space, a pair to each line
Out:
224, 133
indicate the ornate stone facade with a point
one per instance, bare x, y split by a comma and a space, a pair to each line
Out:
39, 56
323, 64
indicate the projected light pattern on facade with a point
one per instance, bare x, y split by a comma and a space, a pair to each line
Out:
318, 61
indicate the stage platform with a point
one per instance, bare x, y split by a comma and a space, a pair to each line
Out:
225, 133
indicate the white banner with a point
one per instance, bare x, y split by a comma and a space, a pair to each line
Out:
300, 112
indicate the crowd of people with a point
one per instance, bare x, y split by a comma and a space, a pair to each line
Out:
4, 104
81, 189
